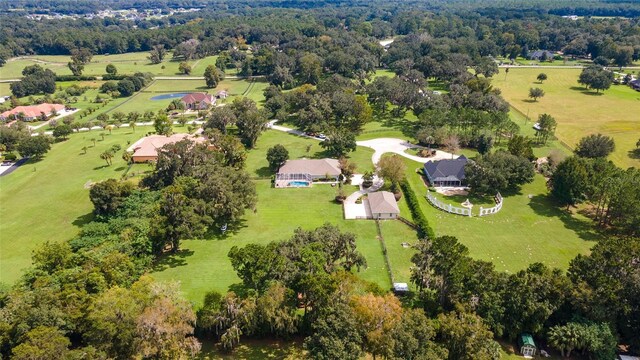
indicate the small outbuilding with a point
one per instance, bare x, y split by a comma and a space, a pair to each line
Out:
383, 205
400, 288
527, 345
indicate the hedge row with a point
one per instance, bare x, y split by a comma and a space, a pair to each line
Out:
114, 77
424, 229
75, 78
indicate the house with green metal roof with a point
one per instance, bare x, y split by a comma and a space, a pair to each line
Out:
527, 345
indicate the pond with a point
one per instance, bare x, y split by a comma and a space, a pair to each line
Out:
168, 96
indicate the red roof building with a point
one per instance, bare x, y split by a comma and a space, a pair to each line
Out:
30, 113
198, 101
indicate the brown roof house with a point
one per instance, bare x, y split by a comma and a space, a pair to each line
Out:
302, 172
146, 149
383, 205
198, 101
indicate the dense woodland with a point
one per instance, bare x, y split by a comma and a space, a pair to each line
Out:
89, 297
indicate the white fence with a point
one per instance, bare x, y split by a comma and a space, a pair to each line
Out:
448, 207
492, 210
465, 211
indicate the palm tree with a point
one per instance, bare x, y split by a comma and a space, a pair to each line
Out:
106, 156
94, 141
84, 148
127, 156
132, 125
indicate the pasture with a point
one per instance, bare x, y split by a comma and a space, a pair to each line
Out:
579, 112
127, 63
48, 200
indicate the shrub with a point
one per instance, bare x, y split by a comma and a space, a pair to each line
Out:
424, 229
10, 157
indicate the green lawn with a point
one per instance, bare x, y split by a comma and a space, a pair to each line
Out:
48, 200
529, 228
578, 112
203, 265
127, 63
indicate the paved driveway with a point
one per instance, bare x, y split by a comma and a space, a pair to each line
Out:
399, 146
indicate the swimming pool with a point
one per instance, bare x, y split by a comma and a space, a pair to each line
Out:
298, 184
168, 96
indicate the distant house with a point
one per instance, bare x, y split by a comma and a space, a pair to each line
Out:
383, 205
33, 112
198, 101
302, 172
527, 345
446, 172
635, 84
222, 94
146, 149
541, 55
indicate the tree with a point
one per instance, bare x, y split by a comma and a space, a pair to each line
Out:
392, 168
377, 317
118, 116
42, 343
79, 58
599, 286
225, 317
250, 121
569, 181
163, 125
107, 196
35, 80
467, 337
62, 131
107, 156
277, 156
595, 146
111, 69
212, 76
521, 146
347, 168
596, 77
184, 68
499, 171
157, 54
34, 146
541, 77
483, 143
220, 117
452, 144
623, 56
126, 87
536, 93
546, 127
335, 335
339, 143
414, 338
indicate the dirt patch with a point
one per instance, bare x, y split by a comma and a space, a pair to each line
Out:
88, 184
452, 192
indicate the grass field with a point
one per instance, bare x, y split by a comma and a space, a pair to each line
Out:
529, 228
48, 200
127, 63
203, 265
578, 112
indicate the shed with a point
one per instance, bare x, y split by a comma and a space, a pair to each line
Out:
383, 205
527, 345
400, 288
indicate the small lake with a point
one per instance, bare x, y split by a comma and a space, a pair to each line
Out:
168, 96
